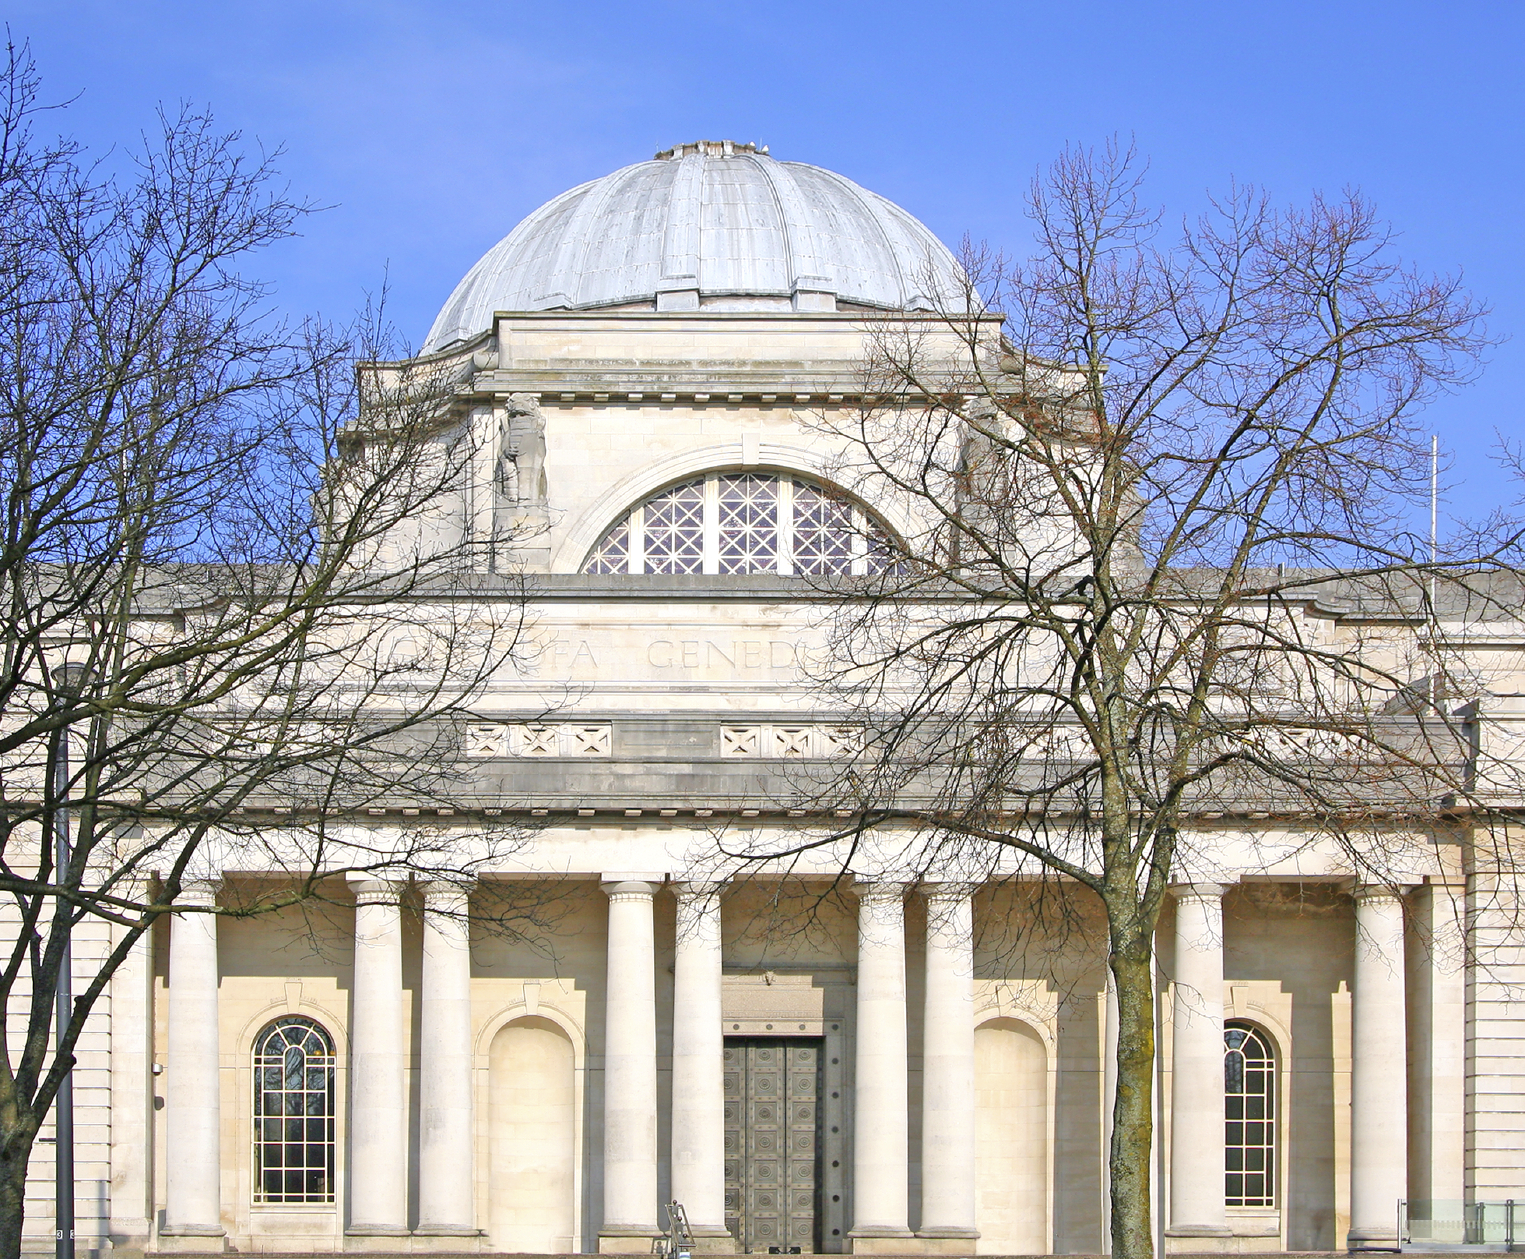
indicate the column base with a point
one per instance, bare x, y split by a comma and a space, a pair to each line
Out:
447, 1239
1197, 1239
1238, 1244
878, 1240
1373, 1239
627, 1241
376, 1237
193, 1239
712, 1240
947, 1241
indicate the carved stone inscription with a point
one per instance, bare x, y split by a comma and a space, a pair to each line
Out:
634, 653
742, 655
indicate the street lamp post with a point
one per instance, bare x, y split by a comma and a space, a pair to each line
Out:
69, 679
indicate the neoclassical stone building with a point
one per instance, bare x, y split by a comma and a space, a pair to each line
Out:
902, 1070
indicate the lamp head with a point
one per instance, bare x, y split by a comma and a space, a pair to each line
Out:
71, 677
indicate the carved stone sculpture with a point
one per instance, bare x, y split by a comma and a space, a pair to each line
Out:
520, 465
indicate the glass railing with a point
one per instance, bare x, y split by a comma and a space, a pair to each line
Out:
1444, 1223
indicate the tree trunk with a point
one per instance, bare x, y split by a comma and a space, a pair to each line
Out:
1128, 1160
14, 1154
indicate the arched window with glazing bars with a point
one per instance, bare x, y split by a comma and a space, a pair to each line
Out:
294, 1113
1249, 1097
743, 522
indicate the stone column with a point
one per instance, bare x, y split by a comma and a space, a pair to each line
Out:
881, 1161
1438, 1038
132, 1090
630, 1071
378, 1119
445, 1143
698, 1048
1379, 1072
947, 1105
1196, 1099
193, 1114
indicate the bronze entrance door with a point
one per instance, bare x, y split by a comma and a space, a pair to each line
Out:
772, 1135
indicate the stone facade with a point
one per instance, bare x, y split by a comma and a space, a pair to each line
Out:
546, 1091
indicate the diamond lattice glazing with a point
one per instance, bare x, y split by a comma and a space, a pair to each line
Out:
748, 524
743, 523
674, 529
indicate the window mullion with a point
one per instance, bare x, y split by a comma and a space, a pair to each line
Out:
784, 508
858, 543
711, 525
635, 545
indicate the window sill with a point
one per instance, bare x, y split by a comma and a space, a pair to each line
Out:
293, 1208
1255, 1221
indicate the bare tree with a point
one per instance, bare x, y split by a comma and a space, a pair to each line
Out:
231, 627
1091, 637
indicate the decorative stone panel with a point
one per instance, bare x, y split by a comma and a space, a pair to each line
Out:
575, 740
792, 742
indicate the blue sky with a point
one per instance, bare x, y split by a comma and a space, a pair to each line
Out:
432, 128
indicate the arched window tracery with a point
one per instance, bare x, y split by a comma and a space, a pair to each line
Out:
743, 523
1249, 1097
294, 1113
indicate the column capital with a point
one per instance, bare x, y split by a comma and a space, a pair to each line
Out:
1380, 891
868, 888
1200, 891
698, 909
950, 891
628, 888
442, 896
369, 889
200, 892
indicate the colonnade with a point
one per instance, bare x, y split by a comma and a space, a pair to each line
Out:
378, 1111
1379, 1105
881, 1118
378, 1171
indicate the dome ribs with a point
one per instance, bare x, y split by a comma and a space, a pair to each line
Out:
711, 227
680, 241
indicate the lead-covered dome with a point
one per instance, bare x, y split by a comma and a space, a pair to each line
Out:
713, 225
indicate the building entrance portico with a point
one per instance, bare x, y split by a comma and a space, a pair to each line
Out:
985, 1102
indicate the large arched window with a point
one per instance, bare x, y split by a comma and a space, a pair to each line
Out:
293, 1113
742, 522
1249, 1087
